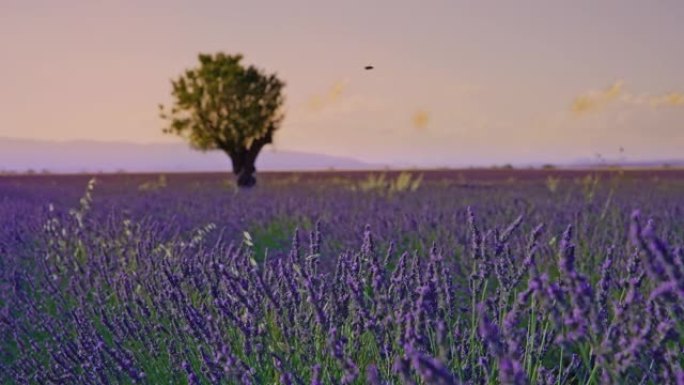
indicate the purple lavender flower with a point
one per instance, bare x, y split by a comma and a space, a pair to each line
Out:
316, 375
431, 370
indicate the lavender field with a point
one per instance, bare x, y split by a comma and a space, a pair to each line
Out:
454, 277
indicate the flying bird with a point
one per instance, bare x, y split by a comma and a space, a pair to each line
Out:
368, 68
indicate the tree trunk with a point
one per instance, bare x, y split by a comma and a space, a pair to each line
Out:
245, 177
244, 160
236, 160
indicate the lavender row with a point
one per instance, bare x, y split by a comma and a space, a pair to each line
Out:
107, 301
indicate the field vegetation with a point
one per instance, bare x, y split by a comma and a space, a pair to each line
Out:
446, 277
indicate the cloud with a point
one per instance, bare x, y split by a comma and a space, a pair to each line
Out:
672, 99
594, 101
331, 110
420, 119
334, 93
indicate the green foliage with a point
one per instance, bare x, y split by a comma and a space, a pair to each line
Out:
373, 182
223, 104
552, 183
590, 184
275, 234
405, 181
154, 184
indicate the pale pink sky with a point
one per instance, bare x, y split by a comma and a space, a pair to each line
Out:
456, 82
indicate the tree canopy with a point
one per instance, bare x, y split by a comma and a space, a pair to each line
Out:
223, 104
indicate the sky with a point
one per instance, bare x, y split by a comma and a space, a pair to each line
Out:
455, 82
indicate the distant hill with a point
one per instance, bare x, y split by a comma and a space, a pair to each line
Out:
21, 155
589, 163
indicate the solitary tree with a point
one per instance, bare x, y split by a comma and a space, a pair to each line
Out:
222, 104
